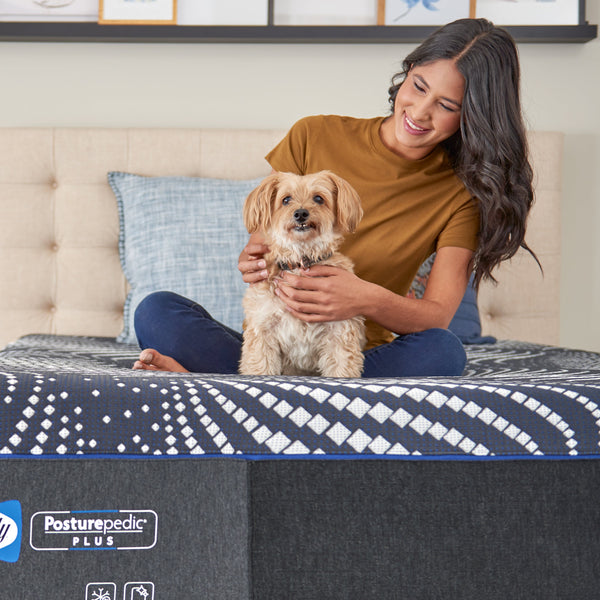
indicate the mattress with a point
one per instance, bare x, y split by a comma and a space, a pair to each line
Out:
126, 485
78, 396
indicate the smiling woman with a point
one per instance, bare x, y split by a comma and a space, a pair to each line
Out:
489, 152
426, 110
446, 172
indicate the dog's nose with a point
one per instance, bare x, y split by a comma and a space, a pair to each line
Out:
300, 215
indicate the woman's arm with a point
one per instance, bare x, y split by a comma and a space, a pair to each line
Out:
330, 294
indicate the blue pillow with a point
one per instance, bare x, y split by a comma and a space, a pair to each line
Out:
466, 324
182, 234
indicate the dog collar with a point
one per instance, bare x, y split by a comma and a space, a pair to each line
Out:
305, 263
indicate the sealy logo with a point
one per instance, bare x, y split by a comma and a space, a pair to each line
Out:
10, 531
94, 530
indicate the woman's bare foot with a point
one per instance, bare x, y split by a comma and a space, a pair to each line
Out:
151, 360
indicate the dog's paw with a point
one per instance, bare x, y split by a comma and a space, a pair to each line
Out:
252, 365
349, 370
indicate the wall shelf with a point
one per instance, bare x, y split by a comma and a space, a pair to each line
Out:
49, 31
92, 32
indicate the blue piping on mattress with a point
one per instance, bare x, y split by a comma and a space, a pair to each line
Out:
305, 457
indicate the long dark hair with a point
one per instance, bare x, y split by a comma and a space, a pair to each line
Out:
489, 152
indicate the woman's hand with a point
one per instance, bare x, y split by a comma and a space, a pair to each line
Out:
251, 263
321, 293
324, 293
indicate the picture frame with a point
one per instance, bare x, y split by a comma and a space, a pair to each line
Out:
49, 11
37, 21
222, 12
530, 12
137, 12
425, 12
325, 12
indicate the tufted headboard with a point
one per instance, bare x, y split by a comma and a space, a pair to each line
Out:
59, 262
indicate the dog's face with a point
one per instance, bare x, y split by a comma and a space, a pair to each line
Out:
295, 208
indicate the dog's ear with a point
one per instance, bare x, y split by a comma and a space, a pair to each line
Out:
349, 211
259, 204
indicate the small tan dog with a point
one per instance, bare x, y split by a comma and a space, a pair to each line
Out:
303, 219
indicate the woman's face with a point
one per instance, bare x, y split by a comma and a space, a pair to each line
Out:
426, 110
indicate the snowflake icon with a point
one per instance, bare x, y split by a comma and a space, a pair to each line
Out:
100, 594
101, 591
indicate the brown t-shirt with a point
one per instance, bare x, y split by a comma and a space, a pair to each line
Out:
411, 207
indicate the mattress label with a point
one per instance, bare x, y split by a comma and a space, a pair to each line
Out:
10, 530
94, 530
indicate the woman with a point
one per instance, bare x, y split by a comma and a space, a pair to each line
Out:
446, 172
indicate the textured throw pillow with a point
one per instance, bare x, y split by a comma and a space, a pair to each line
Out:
466, 324
182, 234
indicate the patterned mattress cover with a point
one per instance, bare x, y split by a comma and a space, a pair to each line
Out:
73, 396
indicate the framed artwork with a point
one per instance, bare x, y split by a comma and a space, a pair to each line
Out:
325, 12
138, 12
529, 12
426, 12
285, 21
49, 10
222, 12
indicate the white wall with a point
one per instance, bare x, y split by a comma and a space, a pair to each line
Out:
263, 85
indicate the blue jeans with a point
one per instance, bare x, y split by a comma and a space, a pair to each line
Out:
182, 329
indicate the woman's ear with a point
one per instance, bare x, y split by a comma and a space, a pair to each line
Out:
259, 204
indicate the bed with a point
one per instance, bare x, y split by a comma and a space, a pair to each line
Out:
122, 485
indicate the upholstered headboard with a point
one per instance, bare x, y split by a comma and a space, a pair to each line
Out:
59, 262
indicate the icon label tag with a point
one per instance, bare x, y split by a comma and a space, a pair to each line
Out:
139, 591
101, 591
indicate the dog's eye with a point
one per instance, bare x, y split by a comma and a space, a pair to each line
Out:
318, 200
287, 200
